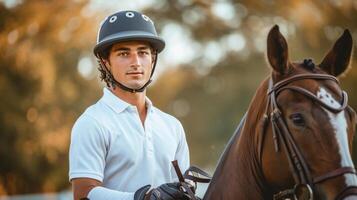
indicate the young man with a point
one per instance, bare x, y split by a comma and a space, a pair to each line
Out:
122, 146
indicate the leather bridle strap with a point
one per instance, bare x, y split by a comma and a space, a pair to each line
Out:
284, 82
316, 99
297, 163
348, 191
334, 173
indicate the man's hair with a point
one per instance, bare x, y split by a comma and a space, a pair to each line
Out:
104, 74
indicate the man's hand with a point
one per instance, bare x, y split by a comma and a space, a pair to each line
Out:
167, 191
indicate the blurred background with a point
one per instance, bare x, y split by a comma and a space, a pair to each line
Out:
213, 62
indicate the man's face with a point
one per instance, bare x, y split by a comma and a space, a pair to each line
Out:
130, 63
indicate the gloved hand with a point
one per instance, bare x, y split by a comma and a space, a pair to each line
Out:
167, 191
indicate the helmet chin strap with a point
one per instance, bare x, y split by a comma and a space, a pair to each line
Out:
121, 86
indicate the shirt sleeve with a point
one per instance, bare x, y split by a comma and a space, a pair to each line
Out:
101, 193
87, 149
182, 152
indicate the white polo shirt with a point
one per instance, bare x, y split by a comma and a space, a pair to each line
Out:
110, 144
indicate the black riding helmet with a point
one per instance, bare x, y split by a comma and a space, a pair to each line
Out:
127, 26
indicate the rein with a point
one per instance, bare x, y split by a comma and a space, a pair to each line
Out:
187, 177
282, 137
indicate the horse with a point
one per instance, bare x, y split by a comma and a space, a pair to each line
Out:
296, 138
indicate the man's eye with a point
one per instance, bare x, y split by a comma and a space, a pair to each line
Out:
143, 52
123, 54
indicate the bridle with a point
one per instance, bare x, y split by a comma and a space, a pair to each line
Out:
304, 181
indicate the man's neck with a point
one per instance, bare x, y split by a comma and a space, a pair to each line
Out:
136, 99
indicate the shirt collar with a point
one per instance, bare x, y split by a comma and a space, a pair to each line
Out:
149, 105
118, 105
114, 102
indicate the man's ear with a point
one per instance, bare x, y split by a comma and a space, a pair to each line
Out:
338, 58
277, 51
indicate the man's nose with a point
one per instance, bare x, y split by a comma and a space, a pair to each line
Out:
135, 61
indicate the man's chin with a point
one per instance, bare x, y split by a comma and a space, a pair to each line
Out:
135, 86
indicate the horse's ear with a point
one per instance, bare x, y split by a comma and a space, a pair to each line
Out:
277, 50
338, 58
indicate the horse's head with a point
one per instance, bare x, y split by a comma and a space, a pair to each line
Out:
309, 139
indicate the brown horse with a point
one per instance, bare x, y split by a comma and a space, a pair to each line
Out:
297, 135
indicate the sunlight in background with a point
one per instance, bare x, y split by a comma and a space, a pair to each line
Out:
181, 107
234, 42
86, 67
180, 47
213, 53
12, 36
193, 16
11, 3
121, 5
223, 10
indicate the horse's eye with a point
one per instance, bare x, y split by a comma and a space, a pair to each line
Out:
297, 119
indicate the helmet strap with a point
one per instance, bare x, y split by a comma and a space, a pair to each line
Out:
115, 83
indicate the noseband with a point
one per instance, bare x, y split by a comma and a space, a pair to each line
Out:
282, 137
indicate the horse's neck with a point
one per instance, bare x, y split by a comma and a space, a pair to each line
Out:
238, 174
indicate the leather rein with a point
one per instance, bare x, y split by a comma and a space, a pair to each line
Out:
282, 137
192, 175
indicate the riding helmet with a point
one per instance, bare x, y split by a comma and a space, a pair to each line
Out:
127, 26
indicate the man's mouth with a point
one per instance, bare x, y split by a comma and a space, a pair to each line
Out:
135, 73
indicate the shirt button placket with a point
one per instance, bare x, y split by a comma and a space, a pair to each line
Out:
149, 136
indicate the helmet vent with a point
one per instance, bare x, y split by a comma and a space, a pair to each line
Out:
129, 14
113, 19
146, 18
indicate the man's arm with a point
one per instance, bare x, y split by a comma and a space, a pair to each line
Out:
168, 191
82, 186
92, 189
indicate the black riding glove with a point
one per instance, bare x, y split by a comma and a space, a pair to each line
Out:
167, 191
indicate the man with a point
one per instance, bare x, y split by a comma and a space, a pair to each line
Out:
122, 146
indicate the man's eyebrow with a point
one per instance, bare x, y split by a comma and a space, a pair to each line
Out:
121, 49
143, 48
128, 49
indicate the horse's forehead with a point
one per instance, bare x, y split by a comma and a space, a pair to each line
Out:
314, 85
326, 97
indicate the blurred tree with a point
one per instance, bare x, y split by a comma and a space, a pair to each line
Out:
42, 91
